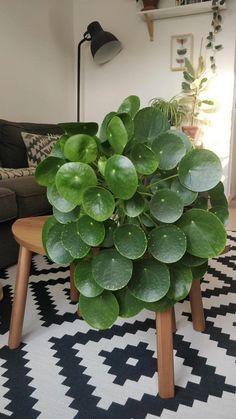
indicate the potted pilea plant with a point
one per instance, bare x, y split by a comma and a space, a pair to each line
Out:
136, 209
193, 98
174, 111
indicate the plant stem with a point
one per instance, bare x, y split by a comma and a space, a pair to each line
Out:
145, 193
158, 181
151, 219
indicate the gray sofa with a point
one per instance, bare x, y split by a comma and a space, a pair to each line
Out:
19, 196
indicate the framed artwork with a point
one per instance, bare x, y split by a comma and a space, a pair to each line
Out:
181, 48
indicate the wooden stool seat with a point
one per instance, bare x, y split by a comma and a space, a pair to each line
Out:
28, 233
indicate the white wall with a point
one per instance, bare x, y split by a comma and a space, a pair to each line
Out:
37, 60
143, 67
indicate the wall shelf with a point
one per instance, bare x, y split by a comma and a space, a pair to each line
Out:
176, 11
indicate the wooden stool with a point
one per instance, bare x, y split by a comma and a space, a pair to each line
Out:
28, 234
165, 326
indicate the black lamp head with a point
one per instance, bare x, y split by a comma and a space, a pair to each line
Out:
104, 45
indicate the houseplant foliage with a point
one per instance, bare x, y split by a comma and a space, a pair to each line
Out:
172, 109
193, 97
216, 27
130, 210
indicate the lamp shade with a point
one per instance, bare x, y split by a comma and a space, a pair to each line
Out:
104, 45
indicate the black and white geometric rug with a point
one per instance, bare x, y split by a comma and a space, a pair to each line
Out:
64, 369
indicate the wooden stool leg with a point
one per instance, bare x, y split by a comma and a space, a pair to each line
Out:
165, 360
74, 293
20, 294
174, 328
195, 296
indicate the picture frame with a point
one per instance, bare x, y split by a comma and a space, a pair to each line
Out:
181, 48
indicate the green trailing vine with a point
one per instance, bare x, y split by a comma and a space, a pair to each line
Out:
216, 25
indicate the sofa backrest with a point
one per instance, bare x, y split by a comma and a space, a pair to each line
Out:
12, 148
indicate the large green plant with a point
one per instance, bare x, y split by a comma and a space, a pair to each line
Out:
130, 210
193, 97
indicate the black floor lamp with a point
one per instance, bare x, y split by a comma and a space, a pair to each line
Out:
104, 46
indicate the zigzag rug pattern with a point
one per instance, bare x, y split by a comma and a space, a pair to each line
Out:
65, 370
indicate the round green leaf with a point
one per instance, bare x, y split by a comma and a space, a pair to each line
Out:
134, 206
185, 139
130, 105
57, 201
102, 164
92, 232
128, 123
73, 179
185, 194
81, 148
192, 261
166, 206
101, 311
98, 203
48, 224
55, 248
200, 170
167, 243
144, 159
103, 129
201, 203
148, 124
157, 183
84, 280
46, 170
159, 306
147, 220
66, 217
72, 128
130, 241
206, 235
129, 305
169, 149
222, 213
73, 242
150, 280
217, 196
121, 176
111, 270
58, 148
117, 134
180, 282
110, 227
199, 271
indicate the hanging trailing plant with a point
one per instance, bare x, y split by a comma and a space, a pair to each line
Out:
216, 25
128, 212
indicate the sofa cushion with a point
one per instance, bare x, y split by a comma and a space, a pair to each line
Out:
12, 148
6, 173
8, 206
30, 197
38, 146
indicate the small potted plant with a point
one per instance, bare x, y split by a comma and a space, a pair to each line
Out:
127, 213
149, 4
173, 110
193, 97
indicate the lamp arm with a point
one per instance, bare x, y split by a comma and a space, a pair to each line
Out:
78, 76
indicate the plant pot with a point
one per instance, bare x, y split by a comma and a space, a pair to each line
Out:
149, 5
194, 133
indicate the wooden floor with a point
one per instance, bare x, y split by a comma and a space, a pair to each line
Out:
232, 216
